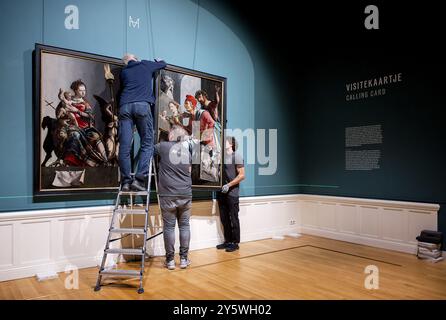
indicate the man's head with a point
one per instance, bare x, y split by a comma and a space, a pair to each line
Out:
177, 133
201, 96
129, 57
190, 103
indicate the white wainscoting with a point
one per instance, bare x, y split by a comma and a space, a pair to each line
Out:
46, 241
380, 223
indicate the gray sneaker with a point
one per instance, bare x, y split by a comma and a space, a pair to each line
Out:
170, 264
184, 263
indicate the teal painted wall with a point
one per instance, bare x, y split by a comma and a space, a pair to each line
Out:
184, 33
411, 113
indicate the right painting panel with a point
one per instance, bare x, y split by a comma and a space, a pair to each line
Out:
196, 102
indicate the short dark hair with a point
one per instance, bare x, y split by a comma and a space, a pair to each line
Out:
233, 142
202, 92
177, 133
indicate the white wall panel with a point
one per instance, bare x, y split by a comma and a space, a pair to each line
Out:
347, 218
369, 221
327, 216
394, 224
35, 242
6, 243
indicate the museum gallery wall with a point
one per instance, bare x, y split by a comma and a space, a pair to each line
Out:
373, 126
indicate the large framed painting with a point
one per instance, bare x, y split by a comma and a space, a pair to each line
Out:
75, 121
195, 102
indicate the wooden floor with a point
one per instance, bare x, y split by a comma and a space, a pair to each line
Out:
303, 268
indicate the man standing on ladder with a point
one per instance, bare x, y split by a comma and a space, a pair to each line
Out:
136, 102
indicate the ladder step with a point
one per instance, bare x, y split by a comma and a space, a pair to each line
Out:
121, 272
133, 193
136, 252
130, 211
127, 230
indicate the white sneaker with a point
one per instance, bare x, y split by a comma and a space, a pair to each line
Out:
184, 263
170, 264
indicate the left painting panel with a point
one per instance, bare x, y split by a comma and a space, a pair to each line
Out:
75, 121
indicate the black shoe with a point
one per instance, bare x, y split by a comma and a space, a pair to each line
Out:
222, 246
138, 186
232, 247
125, 187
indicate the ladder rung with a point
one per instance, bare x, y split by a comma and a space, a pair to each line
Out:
133, 193
121, 272
127, 230
136, 252
130, 211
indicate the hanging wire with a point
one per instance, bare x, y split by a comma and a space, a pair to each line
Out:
196, 33
43, 21
125, 28
150, 40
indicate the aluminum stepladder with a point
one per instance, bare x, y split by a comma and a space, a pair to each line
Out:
119, 210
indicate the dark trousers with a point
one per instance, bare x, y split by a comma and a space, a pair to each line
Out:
229, 208
139, 114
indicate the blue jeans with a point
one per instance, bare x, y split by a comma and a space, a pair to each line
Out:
139, 114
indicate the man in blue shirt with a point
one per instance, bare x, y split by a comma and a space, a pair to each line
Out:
136, 101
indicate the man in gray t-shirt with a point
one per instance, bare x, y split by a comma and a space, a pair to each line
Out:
174, 174
175, 193
228, 198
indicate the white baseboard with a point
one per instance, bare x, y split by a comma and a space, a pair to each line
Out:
46, 241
